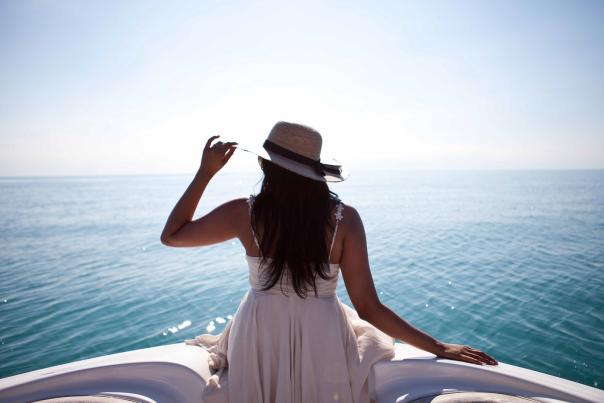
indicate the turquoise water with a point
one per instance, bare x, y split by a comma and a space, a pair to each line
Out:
510, 262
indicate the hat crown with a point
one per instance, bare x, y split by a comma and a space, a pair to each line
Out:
297, 138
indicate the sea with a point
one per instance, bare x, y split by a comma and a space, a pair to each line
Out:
509, 262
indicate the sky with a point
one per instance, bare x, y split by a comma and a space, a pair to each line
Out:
136, 87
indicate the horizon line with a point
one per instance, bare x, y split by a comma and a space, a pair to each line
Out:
92, 175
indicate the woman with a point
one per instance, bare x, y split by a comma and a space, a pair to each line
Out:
291, 339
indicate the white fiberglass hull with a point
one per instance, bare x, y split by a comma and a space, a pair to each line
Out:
178, 372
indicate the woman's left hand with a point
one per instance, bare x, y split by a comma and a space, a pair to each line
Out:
216, 155
461, 352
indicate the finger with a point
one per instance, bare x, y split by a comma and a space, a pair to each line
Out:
228, 155
477, 357
485, 358
210, 141
470, 359
224, 146
488, 358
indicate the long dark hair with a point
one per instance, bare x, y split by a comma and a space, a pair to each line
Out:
291, 218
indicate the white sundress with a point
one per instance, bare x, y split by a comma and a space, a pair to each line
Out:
285, 349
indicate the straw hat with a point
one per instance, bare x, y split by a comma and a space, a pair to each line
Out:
297, 148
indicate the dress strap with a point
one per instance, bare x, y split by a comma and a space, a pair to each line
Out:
338, 215
250, 203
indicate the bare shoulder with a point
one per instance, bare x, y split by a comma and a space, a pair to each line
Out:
351, 219
240, 202
233, 210
238, 206
236, 212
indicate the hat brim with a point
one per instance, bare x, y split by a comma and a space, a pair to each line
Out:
298, 167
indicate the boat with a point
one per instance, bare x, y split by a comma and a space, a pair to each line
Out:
179, 372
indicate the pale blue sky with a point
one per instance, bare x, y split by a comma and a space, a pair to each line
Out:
112, 87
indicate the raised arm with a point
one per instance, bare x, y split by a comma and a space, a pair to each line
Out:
218, 225
354, 264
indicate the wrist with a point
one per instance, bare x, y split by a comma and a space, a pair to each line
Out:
438, 347
204, 174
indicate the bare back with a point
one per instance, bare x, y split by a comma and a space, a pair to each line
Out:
334, 242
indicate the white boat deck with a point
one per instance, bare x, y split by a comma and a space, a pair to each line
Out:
178, 372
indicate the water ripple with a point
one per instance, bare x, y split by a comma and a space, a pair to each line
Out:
509, 262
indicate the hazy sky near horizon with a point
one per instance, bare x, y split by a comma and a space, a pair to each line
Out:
126, 87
